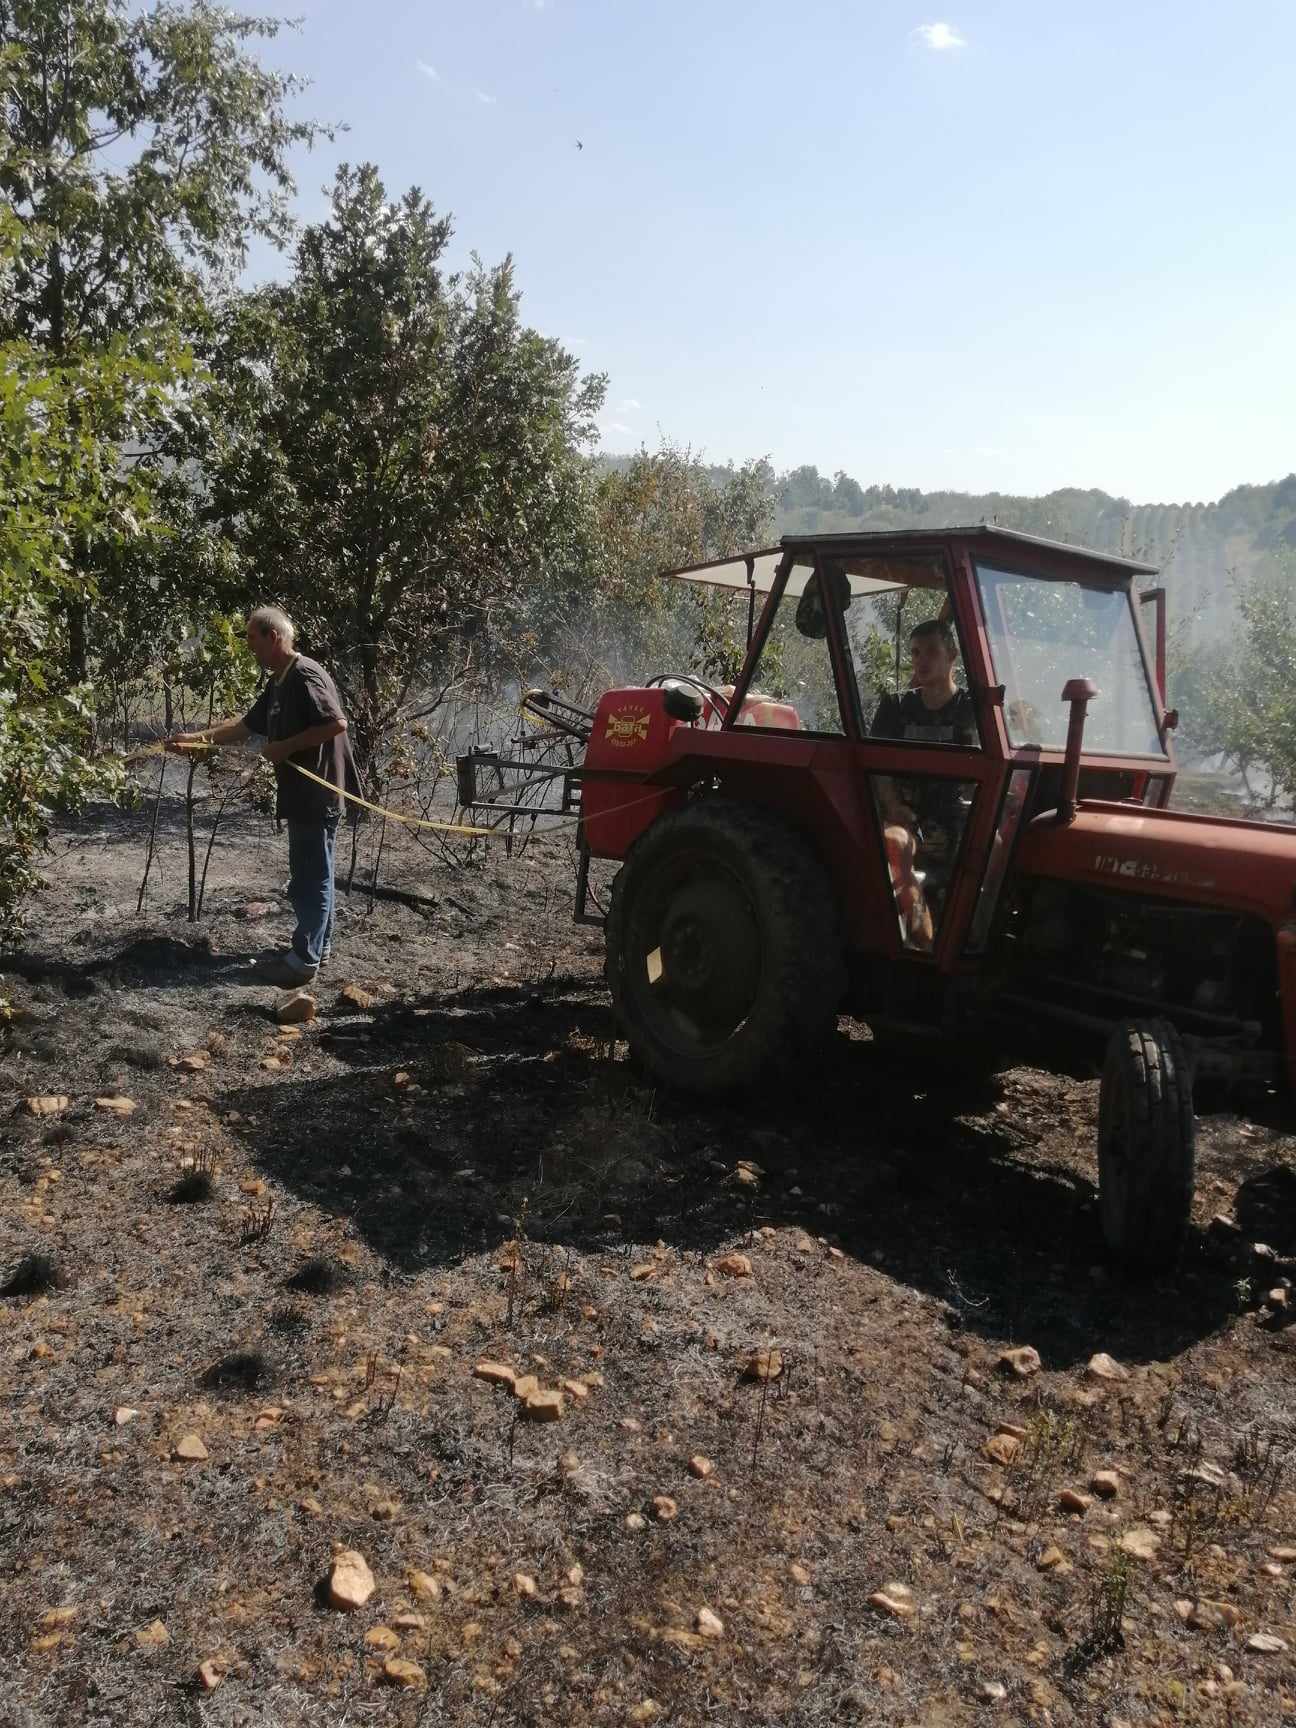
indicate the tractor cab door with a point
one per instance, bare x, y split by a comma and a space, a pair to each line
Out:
867, 649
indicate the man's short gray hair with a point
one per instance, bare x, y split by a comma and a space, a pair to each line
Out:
273, 621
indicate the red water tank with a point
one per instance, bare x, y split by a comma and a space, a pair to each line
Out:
630, 734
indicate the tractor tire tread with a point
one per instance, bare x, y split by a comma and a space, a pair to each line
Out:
1146, 1216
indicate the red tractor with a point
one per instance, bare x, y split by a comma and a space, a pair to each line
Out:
968, 863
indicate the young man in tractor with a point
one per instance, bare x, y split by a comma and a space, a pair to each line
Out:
299, 722
923, 818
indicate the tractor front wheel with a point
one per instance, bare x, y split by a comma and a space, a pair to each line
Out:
1146, 1145
723, 952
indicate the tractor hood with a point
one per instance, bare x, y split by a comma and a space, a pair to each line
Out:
1170, 854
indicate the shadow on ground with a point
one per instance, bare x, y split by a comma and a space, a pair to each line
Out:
513, 1106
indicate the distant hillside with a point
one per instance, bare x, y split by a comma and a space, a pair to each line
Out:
1200, 547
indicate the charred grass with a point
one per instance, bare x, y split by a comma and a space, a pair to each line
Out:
471, 1171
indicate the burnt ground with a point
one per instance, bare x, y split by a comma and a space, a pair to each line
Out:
298, 1248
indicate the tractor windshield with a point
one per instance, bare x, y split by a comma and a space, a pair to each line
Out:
1044, 632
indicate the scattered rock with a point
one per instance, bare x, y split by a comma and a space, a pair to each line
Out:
352, 996
798, 1573
1277, 1297
190, 1448
1051, 1557
764, 1365
153, 1636
1106, 1484
209, 1676
525, 1585
576, 1389
1208, 1616
700, 1467
992, 1691
1266, 1643
193, 1063
647, 1269
1013, 1429
1002, 1448
410, 1622
116, 1105
636, 1521
124, 1414
1022, 1362
1072, 1500
350, 1582
645, 1711
255, 909
1285, 1554
709, 1624
296, 1009
1105, 1367
1141, 1542
400, 1671
497, 1373
525, 1385
49, 1104
732, 1266
543, 1407
664, 1508
894, 1599
424, 1586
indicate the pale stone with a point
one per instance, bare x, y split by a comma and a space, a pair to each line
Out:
1105, 1483
124, 1414
49, 1104
1023, 1362
709, 1624
543, 1407
1266, 1643
1072, 1500
190, 1448
993, 1691
400, 1671
382, 1638
209, 1676
296, 1009
1141, 1542
895, 1599
732, 1266
700, 1467
636, 1521
350, 1582
496, 1372
1001, 1448
664, 1508
152, 1636
525, 1385
354, 997
1105, 1367
646, 1270
525, 1585
764, 1365
116, 1105
424, 1585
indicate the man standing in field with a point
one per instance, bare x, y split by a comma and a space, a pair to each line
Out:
299, 721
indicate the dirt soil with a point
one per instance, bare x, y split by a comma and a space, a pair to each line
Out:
244, 1312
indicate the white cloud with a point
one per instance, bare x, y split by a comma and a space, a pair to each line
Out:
488, 101
629, 406
427, 71
939, 37
618, 426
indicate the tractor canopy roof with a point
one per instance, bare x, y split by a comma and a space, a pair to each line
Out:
876, 562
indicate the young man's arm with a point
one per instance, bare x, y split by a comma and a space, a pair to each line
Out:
226, 732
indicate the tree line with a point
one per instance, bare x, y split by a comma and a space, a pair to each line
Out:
379, 443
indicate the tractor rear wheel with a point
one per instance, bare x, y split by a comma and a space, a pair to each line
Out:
723, 952
1146, 1145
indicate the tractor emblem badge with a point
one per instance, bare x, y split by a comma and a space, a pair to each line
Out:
627, 726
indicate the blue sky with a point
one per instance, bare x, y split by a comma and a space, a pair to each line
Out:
1003, 246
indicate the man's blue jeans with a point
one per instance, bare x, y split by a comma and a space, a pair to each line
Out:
310, 886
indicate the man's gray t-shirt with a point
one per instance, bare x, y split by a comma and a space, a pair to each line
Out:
303, 697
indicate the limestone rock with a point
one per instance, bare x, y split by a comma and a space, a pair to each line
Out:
709, 1624
382, 1638
48, 1104
116, 1105
1106, 1484
1141, 1542
350, 1582
525, 1385
1022, 1362
424, 1586
636, 1521
1001, 1448
1266, 1643
209, 1676
296, 1009
992, 1691
124, 1414
1072, 1500
764, 1365
647, 1269
732, 1266
400, 1671
497, 1373
664, 1508
525, 1585
191, 1449
1105, 1367
153, 1636
700, 1467
352, 996
543, 1407
193, 1063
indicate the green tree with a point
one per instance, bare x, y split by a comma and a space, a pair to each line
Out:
395, 455
139, 153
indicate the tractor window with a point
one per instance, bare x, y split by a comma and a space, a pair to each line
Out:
923, 820
793, 687
906, 654
1043, 633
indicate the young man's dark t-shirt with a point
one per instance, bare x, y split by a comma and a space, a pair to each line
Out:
935, 802
305, 696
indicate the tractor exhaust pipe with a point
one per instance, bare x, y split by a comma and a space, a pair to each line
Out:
1079, 692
